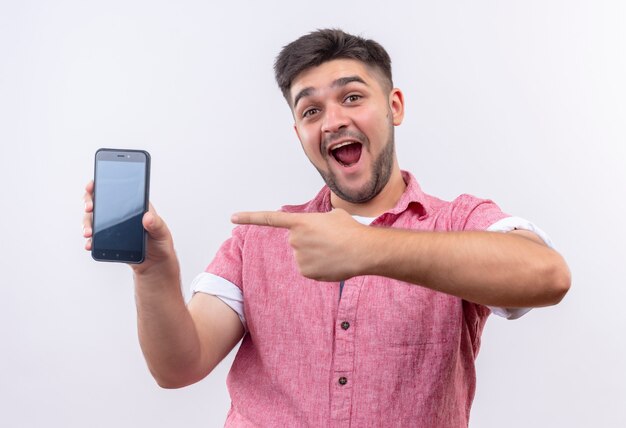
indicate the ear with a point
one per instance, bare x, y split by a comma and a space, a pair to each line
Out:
396, 104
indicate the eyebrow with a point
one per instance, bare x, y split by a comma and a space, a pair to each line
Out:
342, 81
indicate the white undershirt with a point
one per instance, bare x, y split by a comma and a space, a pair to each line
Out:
230, 294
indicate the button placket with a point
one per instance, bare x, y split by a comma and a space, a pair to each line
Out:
344, 358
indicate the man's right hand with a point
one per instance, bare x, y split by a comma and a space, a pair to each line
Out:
160, 255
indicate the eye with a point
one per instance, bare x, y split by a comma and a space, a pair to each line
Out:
309, 112
352, 98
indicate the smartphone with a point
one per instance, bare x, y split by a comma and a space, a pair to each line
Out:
120, 198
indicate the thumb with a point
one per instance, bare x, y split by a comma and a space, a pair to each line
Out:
155, 226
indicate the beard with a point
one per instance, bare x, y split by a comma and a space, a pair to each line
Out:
381, 171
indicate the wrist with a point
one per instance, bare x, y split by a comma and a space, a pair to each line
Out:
370, 249
158, 277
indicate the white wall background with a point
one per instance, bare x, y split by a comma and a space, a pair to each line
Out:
520, 101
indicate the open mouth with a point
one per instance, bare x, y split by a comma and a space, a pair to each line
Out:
348, 153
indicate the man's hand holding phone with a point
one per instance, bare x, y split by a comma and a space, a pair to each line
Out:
120, 224
160, 254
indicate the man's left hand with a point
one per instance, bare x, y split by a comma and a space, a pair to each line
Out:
327, 246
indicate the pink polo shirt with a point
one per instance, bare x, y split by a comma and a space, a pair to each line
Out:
384, 353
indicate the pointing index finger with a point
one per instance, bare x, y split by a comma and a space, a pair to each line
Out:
265, 218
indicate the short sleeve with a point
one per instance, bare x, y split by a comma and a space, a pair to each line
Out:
517, 223
223, 277
472, 213
228, 262
224, 290
507, 225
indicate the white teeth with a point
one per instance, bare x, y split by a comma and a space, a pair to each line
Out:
343, 144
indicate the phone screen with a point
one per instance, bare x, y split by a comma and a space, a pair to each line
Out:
120, 201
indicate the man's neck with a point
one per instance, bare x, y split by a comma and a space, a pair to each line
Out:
381, 203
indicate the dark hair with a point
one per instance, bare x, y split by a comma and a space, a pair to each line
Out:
325, 45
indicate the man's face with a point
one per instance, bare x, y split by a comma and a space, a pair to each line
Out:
344, 117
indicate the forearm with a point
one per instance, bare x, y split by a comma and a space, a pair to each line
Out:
494, 269
167, 333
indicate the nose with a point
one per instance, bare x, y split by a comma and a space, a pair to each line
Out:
335, 118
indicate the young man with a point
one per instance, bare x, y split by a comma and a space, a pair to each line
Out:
365, 305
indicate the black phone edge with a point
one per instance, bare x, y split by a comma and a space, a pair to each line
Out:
145, 208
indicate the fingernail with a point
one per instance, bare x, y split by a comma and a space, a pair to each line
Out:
234, 218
